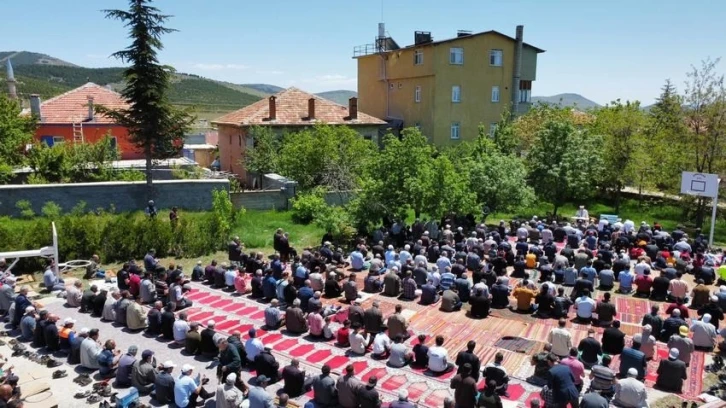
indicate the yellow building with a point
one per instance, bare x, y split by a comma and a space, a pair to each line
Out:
446, 88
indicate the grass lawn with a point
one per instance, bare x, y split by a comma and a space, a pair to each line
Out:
667, 214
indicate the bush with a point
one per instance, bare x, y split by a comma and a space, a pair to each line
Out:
339, 223
309, 207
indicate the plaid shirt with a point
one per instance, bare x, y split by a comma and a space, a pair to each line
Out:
548, 397
409, 288
447, 280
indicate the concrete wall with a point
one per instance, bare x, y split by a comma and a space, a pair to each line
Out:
193, 195
279, 200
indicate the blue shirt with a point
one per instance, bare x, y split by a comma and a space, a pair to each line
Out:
589, 273
625, 279
632, 358
27, 326
356, 260
183, 389
301, 272
229, 276
390, 255
442, 263
570, 276
269, 287
305, 294
404, 256
259, 398
447, 279
105, 360
49, 279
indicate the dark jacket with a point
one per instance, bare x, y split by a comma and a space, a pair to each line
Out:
207, 346
167, 324
355, 315
154, 318
294, 379
613, 341
164, 387
480, 305
230, 358
39, 333
373, 320
671, 374
465, 357
464, 391
562, 383
52, 340
193, 343
266, 364
368, 397
632, 358
295, 320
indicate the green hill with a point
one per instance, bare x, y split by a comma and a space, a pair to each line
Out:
341, 96
567, 99
26, 58
49, 80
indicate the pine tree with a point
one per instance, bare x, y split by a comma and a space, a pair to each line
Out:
154, 125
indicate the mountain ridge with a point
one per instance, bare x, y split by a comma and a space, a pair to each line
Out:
567, 99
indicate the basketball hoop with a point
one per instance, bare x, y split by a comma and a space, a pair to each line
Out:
74, 264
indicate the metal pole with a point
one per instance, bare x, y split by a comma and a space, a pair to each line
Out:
713, 217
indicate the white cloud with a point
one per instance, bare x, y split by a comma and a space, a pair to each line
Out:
331, 79
269, 72
219, 67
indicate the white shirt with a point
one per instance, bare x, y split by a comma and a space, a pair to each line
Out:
437, 359
561, 341
180, 329
253, 347
381, 343
628, 226
89, 353
435, 277
358, 342
584, 306
641, 267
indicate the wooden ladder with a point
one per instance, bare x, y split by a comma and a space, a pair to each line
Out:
78, 132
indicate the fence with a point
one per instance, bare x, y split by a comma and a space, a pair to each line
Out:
122, 196
280, 199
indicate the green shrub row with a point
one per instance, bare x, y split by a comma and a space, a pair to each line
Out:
119, 237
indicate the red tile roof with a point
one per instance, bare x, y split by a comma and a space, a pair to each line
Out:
72, 106
292, 110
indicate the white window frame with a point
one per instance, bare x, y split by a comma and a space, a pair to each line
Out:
455, 133
495, 93
58, 140
498, 56
417, 94
453, 53
525, 95
492, 129
418, 57
456, 94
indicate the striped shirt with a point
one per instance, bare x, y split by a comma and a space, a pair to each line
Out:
447, 280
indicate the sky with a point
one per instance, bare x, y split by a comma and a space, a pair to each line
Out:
603, 50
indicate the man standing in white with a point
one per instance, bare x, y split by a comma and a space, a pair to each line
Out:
560, 339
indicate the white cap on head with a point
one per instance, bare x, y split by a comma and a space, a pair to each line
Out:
68, 320
10, 279
168, 364
231, 378
407, 247
673, 353
714, 298
29, 309
402, 394
706, 318
85, 330
632, 372
187, 368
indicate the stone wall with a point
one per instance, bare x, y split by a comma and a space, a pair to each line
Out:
279, 199
193, 195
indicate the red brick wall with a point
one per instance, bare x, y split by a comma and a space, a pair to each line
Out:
91, 134
231, 141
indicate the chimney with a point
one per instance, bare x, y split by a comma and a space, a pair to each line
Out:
35, 106
273, 108
10, 79
311, 108
91, 112
353, 108
517, 68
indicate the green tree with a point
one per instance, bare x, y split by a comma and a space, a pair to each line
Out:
705, 117
623, 127
564, 163
16, 132
666, 143
155, 126
329, 156
263, 156
446, 191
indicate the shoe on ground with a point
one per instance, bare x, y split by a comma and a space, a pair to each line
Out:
83, 394
94, 399
59, 374
53, 363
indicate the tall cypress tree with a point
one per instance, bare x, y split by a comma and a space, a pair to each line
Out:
155, 126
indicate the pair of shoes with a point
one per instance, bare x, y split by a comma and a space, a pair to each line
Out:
104, 404
83, 379
13, 341
59, 374
44, 359
82, 394
100, 385
53, 363
106, 391
94, 399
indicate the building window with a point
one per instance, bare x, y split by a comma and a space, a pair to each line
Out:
456, 94
492, 129
417, 94
456, 56
400, 85
58, 140
392, 86
455, 131
495, 58
525, 91
495, 94
418, 57
114, 142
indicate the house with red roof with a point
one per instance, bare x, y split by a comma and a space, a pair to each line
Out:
70, 118
287, 111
